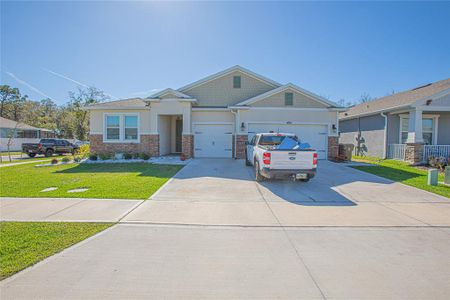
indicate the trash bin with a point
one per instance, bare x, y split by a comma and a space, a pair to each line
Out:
345, 152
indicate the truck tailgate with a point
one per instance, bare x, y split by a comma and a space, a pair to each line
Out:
291, 160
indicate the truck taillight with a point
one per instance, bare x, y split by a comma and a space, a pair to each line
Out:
39, 146
266, 158
315, 159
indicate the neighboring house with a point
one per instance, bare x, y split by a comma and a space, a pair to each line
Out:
410, 125
214, 117
21, 133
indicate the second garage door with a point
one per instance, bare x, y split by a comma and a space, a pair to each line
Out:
213, 140
315, 135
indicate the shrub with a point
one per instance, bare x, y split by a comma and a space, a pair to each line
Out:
77, 158
54, 161
438, 162
65, 159
144, 156
83, 151
127, 156
93, 156
105, 156
136, 155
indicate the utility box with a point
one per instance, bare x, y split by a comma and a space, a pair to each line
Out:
345, 152
447, 175
433, 176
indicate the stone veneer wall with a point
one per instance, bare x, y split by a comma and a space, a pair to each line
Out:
333, 147
149, 144
187, 145
414, 153
239, 152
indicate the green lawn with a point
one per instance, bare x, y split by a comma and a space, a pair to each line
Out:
120, 181
400, 171
23, 244
5, 160
12, 153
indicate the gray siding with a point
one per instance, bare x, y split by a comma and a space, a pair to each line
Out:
393, 129
220, 91
300, 100
444, 129
371, 129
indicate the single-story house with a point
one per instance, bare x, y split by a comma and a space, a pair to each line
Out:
17, 133
214, 117
411, 125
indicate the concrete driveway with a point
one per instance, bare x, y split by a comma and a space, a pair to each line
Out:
223, 192
213, 233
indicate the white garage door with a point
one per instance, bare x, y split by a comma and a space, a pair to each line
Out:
213, 140
315, 135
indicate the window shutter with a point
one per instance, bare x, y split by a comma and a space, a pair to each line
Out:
289, 99
237, 82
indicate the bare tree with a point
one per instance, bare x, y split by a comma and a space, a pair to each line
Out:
365, 98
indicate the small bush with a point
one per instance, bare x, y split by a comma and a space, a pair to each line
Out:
144, 156
83, 151
93, 157
54, 161
136, 155
438, 162
127, 156
76, 159
105, 156
65, 159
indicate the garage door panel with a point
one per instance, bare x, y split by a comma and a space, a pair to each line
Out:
213, 140
315, 135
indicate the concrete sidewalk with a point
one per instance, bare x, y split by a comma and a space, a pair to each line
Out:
65, 209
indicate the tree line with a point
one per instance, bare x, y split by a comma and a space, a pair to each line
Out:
69, 121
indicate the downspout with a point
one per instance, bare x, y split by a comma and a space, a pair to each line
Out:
385, 135
235, 131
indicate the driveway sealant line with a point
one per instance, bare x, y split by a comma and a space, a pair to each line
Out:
130, 210
285, 226
63, 209
292, 244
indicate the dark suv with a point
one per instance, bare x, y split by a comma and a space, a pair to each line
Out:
48, 147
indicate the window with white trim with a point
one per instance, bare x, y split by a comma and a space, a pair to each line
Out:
131, 127
113, 128
121, 127
427, 130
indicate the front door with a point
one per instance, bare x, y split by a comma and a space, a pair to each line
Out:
178, 135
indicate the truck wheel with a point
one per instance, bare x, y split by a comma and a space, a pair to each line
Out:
247, 162
258, 176
48, 153
31, 155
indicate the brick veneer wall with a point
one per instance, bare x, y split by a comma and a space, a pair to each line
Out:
240, 145
187, 145
414, 153
149, 144
333, 147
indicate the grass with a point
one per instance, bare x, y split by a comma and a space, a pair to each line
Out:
120, 181
401, 172
12, 153
23, 244
27, 159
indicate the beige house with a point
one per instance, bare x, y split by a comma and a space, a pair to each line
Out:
213, 117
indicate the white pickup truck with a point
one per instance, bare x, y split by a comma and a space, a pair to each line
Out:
270, 162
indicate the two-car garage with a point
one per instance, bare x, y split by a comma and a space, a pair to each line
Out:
216, 139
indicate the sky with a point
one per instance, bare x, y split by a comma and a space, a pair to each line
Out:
339, 50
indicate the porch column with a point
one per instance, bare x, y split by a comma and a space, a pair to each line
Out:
414, 142
415, 127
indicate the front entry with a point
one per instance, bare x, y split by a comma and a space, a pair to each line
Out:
178, 135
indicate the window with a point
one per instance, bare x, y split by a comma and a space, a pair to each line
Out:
237, 82
288, 99
112, 127
131, 128
122, 127
427, 130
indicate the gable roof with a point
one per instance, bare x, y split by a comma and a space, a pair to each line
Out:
283, 88
169, 91
226, 72
131, 103
7, 123
398, 100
